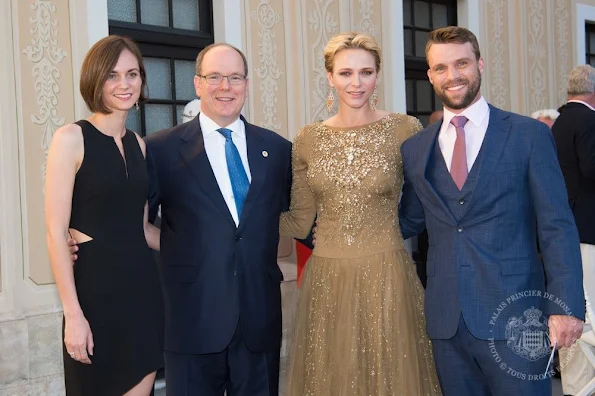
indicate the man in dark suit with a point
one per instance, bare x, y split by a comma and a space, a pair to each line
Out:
574, 133
485, 183
222, 184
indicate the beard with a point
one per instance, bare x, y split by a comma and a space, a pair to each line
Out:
459, 103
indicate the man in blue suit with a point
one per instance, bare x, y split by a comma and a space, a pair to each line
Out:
221, 183
487, 185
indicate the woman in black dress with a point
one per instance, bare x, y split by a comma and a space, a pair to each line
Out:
96, 190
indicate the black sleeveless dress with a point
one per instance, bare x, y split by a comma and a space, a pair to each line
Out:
117, 280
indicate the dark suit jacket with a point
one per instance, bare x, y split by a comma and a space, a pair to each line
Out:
574, 132
476, 263
212, 272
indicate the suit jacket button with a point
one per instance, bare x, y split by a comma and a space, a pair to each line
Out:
238, 238
461, 201
460, 229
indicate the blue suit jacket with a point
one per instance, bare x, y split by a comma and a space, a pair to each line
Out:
212, 271
477, 265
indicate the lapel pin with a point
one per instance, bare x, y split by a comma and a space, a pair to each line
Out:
265, 154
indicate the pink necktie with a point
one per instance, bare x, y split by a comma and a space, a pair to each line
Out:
458, 165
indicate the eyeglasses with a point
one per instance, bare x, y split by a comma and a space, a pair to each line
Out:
216, 79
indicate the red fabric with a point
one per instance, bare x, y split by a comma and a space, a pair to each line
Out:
303, 253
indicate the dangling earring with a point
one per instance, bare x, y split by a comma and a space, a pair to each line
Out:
137, 106
374, 98
330, 100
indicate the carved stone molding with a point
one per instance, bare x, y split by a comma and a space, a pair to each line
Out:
537, 50
370, 22
498, 59
563, 47
323, 24
367, 24
46, 56
268, 69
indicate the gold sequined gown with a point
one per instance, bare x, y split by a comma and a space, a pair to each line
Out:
359, 328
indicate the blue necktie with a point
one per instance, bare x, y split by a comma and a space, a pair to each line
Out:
235, 168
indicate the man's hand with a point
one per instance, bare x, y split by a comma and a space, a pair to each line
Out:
314, 236
564, 330
73, 248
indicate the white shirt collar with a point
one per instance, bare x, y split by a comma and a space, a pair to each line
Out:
581, 102
475, 113
208, 126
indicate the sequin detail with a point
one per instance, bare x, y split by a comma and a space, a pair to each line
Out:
360, 328
351, 179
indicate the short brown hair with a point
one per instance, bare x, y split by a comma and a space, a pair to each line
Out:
206, 49
99, 63
351, 40
453, 35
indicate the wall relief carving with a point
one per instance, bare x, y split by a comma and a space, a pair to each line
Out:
268, 69
366, 24
498, 85
564, 45
46, 56
537, 47
324, 25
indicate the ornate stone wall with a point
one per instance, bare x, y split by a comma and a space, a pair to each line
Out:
284, 43
45, 83
37, 98
528, 48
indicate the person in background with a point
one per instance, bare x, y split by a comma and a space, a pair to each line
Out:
547, 116
574, 133
359, 327
95, 192
191, 110
484, 210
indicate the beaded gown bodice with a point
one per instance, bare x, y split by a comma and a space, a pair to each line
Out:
351, 180
359, 326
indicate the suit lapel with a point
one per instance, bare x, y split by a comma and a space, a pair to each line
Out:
193, 152
430, 139
258, 159
491, 151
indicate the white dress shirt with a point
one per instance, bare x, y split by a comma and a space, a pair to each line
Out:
478, 115
581, 102
215, 149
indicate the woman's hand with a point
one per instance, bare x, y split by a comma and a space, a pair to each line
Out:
78, 339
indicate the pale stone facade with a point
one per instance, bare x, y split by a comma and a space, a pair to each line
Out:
529, 47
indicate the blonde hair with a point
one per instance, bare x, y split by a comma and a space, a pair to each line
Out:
351, 40
581, 80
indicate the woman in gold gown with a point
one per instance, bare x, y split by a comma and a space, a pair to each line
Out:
359, 328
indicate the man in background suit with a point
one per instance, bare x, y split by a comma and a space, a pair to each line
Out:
574, 133
485, 183
222, 184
